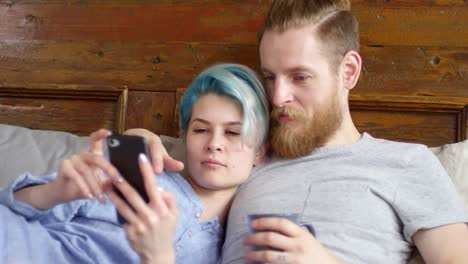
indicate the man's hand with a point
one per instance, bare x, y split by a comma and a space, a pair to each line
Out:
293, 243
160, 159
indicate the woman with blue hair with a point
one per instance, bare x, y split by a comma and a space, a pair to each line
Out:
224, 120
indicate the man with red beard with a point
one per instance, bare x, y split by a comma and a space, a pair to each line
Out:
369, 200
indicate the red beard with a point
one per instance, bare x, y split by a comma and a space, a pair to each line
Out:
304, 133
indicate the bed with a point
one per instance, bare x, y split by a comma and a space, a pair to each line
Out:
438, 122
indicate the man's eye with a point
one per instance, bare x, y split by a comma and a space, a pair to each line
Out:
268, 78
301, 77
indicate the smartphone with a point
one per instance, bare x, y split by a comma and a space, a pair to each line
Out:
123, 151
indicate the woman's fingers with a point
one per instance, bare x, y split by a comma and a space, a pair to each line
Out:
170, 202
85, 171
151, 186
99, 162
68, 171
86, 174
95, 140
124, 209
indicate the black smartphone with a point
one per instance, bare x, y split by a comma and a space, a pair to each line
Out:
123, 153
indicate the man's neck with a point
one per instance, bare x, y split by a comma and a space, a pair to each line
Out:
346, 134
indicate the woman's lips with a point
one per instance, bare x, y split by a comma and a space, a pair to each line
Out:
213, 163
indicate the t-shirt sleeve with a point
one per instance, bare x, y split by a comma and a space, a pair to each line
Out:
426, 197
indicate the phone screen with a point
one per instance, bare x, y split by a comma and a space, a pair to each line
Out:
123, 154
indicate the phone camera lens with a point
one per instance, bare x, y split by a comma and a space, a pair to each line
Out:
113, 142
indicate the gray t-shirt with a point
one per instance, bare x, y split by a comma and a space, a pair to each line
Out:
365, 200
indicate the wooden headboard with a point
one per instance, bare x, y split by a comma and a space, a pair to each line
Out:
80, 65
432, 121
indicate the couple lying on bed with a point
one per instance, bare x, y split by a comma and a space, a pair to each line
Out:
369, 200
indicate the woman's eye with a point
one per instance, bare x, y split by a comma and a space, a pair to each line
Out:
268, 78
199, 130
233, 133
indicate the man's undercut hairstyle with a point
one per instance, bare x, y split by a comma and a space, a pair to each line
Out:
334, 24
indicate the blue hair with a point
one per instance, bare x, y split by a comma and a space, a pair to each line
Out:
239, 83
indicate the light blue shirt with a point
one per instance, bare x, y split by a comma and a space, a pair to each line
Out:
85, 231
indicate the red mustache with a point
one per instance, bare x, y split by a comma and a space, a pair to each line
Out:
290, 112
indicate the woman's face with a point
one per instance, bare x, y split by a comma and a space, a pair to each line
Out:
217, 158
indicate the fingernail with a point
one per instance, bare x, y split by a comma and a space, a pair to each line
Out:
101, 198
160, 189
143, 157
90, 196
116, 177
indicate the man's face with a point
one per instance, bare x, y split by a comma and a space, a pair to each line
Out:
303, 91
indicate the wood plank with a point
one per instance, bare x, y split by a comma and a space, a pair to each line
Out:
151, 110
382, 23
134, 64
393, 3
70, 109
430, 121
406, 3
408, 127
215, 22
427, 71
425, 26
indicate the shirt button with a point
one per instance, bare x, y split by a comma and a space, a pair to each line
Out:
177, 248
189, 233
197, 215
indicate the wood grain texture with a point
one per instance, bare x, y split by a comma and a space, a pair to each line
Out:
425, 71
156, 66
392, 23
71, 109
151, 110
410, 49
430, 121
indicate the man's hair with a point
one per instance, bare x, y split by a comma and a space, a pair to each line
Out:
336, 27
240, 84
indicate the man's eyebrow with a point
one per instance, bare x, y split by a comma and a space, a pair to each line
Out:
301, 69
294, 69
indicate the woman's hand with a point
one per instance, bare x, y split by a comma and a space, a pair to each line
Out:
293, 243
150, 228
160, 159
79, 176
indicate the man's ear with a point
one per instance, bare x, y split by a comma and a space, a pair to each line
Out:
260, 154
351, 69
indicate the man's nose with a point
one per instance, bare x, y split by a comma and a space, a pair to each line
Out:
281, 93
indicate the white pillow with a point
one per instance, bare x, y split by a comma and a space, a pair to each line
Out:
36, 151
454, 158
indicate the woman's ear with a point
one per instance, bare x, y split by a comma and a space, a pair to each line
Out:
260, 154
351, 69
